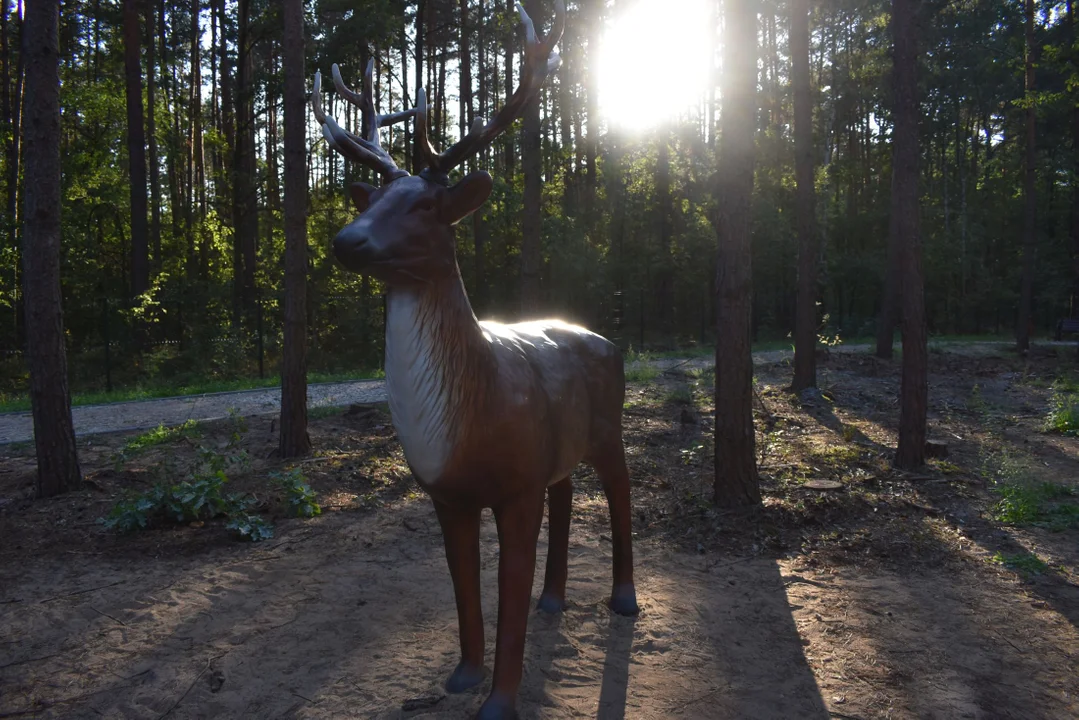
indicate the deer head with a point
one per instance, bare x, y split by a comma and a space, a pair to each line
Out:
404, 232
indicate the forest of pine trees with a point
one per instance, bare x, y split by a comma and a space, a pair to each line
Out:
172, 199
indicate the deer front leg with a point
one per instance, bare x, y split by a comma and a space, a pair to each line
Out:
559, 504
461, 534
518, 522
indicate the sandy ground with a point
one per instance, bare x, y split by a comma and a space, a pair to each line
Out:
353, 617
878, 601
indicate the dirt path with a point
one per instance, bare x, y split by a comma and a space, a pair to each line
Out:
18, 427
144, 414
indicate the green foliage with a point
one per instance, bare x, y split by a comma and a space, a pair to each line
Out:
641, 373
201, 497
250, 527
1063, 415
1025, 501
680, 395
298, 494
693, 455
1025, 563
323, 411
158, 436
618, 252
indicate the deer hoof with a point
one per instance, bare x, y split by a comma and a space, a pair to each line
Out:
624, 601
550, 603
497, 707
464, 677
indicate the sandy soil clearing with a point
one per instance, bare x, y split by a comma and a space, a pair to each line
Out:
352, 616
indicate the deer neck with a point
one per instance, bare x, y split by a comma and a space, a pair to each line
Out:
435, 360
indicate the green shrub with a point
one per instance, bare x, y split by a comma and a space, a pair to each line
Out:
200, 497
298, 494
1063, 414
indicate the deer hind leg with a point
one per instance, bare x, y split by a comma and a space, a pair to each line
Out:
461, 534
559, 503
609, 462
518, 522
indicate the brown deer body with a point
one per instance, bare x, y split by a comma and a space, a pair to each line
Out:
489, 415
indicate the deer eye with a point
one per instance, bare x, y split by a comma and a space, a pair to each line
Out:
424, 205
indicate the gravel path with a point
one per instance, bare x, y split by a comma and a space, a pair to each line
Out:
144, 414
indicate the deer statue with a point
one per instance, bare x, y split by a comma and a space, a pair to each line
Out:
489, 415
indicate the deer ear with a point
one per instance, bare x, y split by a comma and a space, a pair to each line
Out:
361, 195
466, 196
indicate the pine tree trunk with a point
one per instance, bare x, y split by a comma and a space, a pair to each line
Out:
1030, 200
404, 94
14, 116
595, 25
54, 435
914, 386
531, 163
294, 438
507, 138
805, 332
421, 7
273, 180
196, 110
245, 208
1074, 222
480, 234
664, 280
736, 482
13, 110
151, 135
136, 150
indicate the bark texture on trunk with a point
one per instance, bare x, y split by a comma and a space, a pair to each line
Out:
136, 150
664, 278
805, 326
245, 206
736, 482
1074, 218
531, 164
294, 437
13, 108
54, 434
914, 390
151, 135
1030, 200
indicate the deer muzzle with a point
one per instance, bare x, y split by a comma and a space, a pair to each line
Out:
353, 247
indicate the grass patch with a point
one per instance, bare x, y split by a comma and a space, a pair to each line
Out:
1063, 414
324, 411
1024, 563
161, 435
838, 454
21, 402
1026, 501
680, 395
641, 373
708, 373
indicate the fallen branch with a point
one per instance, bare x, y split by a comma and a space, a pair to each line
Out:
30, 660
110, 617
81, 592
197, 677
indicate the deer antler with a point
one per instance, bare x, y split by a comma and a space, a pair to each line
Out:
540, 61
363, 148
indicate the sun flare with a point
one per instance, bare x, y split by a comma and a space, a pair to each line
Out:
655, 62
